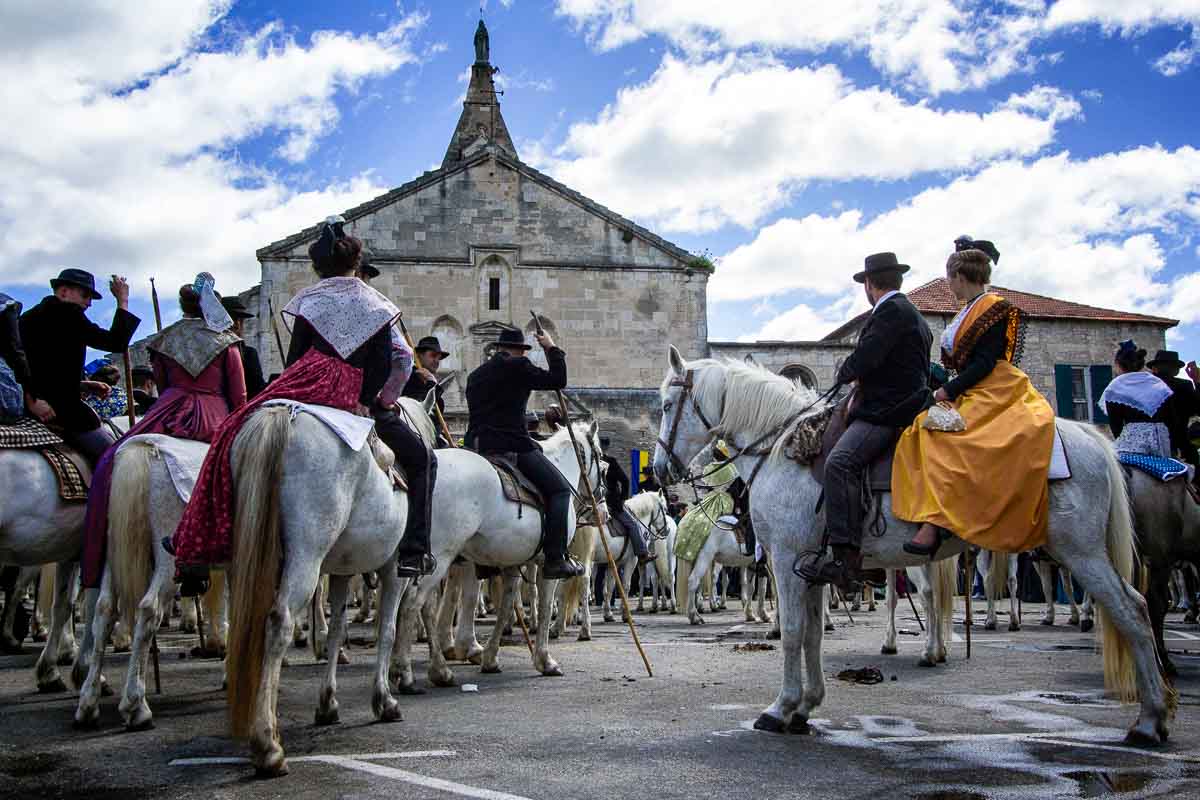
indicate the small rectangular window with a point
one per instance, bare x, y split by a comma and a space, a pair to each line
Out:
493, 294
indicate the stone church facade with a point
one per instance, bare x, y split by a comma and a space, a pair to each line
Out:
474, 246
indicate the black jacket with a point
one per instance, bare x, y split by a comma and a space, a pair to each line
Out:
418, 386
497, 393
1120, 415
988, 349
1185, 404
891, 365
56, 335
252, 365
616, 485
373, 357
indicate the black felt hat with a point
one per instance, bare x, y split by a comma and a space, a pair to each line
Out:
880, 262
76, 277
431, 343
967, 243
236, 308
1166, 357
512, 337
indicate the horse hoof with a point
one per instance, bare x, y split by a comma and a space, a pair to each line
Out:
925, 662
443, 681
1139, 738
52, 687
584, 637
766, 722
391, 713
343, 658
329, 717
90, 721
140, 725
66, 660
1086, 625
798, 725
300, 643
1048, 622
774, 635
187, 627
941, 659
1013, 627
269, 771
829, 628
888, 651
490, 669
553, 672
554, 634
651, 611
106, 690
410, 689
989, 626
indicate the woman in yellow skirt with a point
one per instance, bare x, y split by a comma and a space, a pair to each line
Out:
987, 483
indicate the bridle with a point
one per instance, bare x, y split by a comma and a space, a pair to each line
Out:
668, 446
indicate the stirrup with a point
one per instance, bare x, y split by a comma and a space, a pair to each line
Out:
415, 566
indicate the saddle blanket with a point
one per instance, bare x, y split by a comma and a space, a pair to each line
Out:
1162, 468
27, 432
516, 487
350, 428
1060, 468
182, 458
73, 474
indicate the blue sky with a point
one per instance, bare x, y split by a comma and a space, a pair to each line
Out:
788, 142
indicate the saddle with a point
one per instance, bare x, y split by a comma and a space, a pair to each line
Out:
385, 459
517, 488
879, 474
73, 472
742, 530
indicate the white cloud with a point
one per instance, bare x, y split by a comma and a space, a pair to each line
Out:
1179, 59
125, 159
1093, 231
704, 143
933, 45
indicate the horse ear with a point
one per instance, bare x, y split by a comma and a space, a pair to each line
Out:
430, 400
593, 429
676, 362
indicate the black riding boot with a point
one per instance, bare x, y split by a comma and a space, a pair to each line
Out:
557, 492
193, 579
420, 469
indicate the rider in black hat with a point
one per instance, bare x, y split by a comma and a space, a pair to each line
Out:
497, 394
56, 334
429, 354
251, 363
616, 491
890, 367
1185, 403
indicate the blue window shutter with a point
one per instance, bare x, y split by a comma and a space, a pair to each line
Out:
1062, 391
1101, 376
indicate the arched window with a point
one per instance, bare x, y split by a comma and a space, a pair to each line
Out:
495, 278
536, 355
450, 335
799, 372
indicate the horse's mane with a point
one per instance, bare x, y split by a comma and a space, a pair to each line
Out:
643, 501
756, 400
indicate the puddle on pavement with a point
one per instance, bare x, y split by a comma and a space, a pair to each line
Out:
949, 794
1098, 783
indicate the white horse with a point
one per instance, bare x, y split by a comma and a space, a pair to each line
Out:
38, 527
661, 579
999, 570
721, 547
1079, 616
935, 583
1090, 529
574, 595
472, 517
650, 510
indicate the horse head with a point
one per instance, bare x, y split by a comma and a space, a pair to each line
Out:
688, 405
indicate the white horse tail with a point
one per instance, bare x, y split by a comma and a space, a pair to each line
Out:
945, 582
130, 539
1119, 669
257, 554
997, 577
583, 547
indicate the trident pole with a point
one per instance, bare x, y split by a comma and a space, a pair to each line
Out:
591, 496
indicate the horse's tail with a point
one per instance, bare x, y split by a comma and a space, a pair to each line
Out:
130, 539
1120, 676
583, 548
944, 576
997, 577
257, 556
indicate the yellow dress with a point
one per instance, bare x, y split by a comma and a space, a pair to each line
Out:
986, 484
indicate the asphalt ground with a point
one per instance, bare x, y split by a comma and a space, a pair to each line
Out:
1023, 718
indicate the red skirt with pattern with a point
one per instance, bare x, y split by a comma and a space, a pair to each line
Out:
205, 532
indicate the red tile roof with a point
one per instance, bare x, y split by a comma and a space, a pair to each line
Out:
935, 297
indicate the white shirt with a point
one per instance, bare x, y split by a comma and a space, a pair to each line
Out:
883, 299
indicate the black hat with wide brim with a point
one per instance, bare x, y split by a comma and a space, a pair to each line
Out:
880, 262
77, 277
236, 308
1166, 357
512, 338
431, 343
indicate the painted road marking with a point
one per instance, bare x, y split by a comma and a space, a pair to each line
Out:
215, 760
1036, 737
381, 771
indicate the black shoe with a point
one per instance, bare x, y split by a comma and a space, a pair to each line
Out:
561, 568
842, 567
193, 579
929, 550
416, 565
647, 558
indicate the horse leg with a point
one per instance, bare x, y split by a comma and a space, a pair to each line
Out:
1157, 601
700, 569
542, 660
933, 642
746, 592
48, 677
1046, 573
585, 602
606, 605
187, 616
439, 672
983, 564
889, 637
401, 669
384, 705
831, 602
466, 646
293, 595
814, 678
1014, 610
1069, 589
763, 581
327, 704
451, 596
795, 597
1086, 618
216, 624
87, 715
504, 609
146, 618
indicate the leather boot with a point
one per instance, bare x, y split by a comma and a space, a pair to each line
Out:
842, 568
559, 565
413, 558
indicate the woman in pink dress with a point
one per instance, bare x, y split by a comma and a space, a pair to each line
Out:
341, 355
200, 381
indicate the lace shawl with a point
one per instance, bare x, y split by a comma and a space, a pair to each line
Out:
344, 311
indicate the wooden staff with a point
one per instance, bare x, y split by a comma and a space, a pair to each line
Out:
275, 328
587, 485
970, 584
154, 299
437, 410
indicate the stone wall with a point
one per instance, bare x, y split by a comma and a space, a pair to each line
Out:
816, 360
